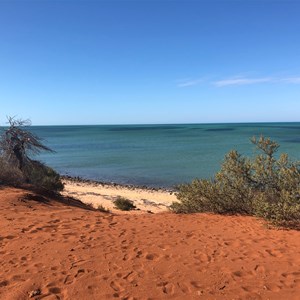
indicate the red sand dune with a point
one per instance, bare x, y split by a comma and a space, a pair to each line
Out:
69, 252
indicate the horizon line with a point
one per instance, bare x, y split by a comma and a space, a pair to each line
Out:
165, 124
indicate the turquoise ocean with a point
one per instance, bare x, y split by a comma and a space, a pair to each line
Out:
155, 155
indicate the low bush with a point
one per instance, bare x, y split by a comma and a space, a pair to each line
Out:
265, 186
101, 208
10, 175
34, 173
43, 176
124, 204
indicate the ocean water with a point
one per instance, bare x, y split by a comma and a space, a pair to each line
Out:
156, 155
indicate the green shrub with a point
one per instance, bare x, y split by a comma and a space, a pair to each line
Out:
43, 176
124, 204
103, 209
34, 173
263, 186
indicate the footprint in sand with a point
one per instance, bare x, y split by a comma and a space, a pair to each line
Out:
260, 269
274, 253
8, 237
203, 258
242, 274
291, 279
151, 256
272, 287
166, 287
196, 284
116, 286
184, 287
79, 273
4, 283
250, 289
54, 290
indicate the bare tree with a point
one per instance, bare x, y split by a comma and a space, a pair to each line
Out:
17, 143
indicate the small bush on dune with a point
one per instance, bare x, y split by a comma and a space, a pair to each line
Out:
43, 176
103, 209
124, 204
265, 187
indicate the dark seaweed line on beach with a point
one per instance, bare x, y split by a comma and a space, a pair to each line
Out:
78, 179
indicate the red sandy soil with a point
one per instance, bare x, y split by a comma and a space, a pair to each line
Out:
70, 252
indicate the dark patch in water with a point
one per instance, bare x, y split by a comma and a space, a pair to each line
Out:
275, 126
219, 129
295, 140
196, 128
287, 127
142, 128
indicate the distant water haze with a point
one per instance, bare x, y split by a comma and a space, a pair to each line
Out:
156, 155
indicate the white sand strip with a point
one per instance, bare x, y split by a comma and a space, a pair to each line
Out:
104, 194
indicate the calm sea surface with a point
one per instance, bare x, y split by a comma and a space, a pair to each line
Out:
155, 155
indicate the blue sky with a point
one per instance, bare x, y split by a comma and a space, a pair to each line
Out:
122, 62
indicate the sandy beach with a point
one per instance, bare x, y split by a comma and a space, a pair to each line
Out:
58, 248
96, 193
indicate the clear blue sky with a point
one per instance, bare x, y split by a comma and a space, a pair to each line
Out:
120, 62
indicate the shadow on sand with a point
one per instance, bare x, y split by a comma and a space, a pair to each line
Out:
48, 197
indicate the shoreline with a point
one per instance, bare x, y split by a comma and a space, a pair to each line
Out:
80, 179
102, 194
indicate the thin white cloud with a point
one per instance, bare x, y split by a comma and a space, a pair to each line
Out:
239, 80
242, 81
189, 82
295, 80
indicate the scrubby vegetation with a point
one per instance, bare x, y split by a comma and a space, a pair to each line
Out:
264, 186
101, 208
124, 204
17, 145
9, 174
